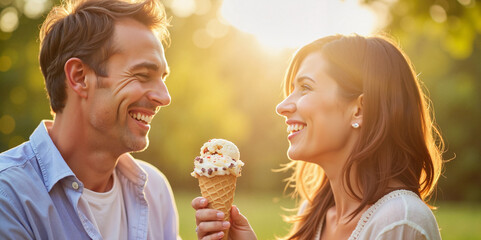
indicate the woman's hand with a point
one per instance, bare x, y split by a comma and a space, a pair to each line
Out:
210, 224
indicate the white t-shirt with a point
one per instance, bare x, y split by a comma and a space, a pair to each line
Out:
400, 214
107, 211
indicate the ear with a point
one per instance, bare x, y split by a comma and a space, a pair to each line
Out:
76, 75
358, 110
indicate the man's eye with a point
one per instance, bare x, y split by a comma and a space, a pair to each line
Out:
142, 75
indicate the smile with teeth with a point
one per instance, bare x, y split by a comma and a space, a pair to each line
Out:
146, 119
292, 128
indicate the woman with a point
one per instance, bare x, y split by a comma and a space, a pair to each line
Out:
366, 154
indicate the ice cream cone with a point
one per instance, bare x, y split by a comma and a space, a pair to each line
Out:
219, 191
217, 169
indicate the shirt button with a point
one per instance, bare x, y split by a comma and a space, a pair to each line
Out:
75, 185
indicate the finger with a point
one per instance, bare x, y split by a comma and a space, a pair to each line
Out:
207, 215
238, 220
199, 202
206, 230
213, 236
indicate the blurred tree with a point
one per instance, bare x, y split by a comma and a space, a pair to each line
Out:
443, 40
22, 98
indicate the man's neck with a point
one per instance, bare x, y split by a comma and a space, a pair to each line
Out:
92, 164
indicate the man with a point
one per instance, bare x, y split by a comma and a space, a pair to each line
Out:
104, 69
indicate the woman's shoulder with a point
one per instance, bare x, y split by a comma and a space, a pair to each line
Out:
398, 213
401, 205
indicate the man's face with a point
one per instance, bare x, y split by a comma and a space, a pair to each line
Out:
122, 105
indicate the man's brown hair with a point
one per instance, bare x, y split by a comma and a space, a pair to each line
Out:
84, 29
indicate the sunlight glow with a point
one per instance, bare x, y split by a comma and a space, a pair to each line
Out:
8, 19
438, 14
285, 23
35, 8
183, 8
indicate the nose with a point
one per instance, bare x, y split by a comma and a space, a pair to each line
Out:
286, 107
159, 95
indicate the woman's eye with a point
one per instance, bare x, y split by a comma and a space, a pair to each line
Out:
306, 87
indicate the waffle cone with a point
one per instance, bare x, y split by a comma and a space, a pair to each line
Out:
219, 191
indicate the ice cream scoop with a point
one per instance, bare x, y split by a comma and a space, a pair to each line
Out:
218, 157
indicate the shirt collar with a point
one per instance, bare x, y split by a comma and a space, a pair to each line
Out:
128, 167
52, 165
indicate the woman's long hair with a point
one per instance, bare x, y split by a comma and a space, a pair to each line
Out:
398, 139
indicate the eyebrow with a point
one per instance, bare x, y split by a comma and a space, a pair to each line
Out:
305, 77
302, 78
148, 65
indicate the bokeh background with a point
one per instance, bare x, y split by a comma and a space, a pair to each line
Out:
227, 61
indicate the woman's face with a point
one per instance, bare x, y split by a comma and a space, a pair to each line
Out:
318, 119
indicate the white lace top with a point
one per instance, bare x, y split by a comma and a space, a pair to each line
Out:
400, 214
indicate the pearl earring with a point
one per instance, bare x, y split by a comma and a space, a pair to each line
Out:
355, 125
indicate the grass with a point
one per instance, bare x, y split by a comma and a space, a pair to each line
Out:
263, 211
457, 221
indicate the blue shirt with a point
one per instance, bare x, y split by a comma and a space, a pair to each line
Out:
39, 195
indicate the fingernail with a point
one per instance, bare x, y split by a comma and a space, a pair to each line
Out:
225, 224
203, 201
220, 215
220, 235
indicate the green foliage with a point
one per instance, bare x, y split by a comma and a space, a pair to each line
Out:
22, 97
447, 56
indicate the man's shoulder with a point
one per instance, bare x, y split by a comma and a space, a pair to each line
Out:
143, 173
153, 173
16, 157
19, 178
157, 182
